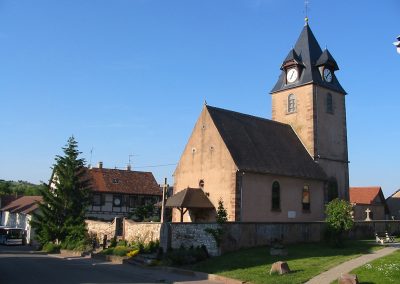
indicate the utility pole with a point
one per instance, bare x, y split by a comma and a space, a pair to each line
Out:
164, 189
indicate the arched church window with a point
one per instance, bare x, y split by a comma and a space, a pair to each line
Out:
306, 198
329, 103
276, 196
332, 189
291, 103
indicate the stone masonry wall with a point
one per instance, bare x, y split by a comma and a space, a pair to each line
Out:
144, 232
193, 234
236, 235
101, 228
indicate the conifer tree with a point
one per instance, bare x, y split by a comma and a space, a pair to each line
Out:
65, 199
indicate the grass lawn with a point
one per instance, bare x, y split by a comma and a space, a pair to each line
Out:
304, 260
380, 271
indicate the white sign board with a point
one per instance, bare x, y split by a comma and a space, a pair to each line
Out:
291, 214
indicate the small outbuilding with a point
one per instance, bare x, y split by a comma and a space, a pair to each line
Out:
369, 203
194, 201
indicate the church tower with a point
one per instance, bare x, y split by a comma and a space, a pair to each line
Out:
309, 97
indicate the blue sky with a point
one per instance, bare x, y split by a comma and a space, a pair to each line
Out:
130, 77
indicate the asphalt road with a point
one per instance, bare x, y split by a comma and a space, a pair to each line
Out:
20, 265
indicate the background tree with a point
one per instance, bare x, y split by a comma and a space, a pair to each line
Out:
339, 220
18, 188
65, 200
222, 215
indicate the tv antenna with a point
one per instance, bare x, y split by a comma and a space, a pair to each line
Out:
91, 155
129, 158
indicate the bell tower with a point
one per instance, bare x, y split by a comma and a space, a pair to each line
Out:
309, 97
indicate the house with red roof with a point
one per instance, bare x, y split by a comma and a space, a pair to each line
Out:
18, 214
116, 192
368, 199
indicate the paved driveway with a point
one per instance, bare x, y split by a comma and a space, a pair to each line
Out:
18, 264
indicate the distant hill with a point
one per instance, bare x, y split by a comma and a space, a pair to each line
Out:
19, 187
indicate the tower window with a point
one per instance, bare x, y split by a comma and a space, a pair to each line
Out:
276, 196
329, 103
306, 198
332, 190
291, 103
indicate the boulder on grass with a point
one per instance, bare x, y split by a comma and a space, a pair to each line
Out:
279, 267
348, 279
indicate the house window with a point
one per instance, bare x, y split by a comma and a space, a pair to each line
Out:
329, 103
115, 180
201, 184
306, 198
291, 103
96, 200
133, 201
117, 200
276, 196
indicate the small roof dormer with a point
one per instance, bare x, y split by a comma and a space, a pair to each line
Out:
291, 59
326, 59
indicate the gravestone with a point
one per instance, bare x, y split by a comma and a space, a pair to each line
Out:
279, 267
348, 279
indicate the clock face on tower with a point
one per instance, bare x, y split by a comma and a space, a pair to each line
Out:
327, 75
291, 75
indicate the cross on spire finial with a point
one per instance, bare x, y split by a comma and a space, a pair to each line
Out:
306, 2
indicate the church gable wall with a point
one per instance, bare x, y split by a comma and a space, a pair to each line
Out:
206, 158
257, 199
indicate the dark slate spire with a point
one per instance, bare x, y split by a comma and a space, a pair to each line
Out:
309, 52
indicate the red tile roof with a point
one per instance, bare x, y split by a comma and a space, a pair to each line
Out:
124, 181
366, 195
7, 199
24, 204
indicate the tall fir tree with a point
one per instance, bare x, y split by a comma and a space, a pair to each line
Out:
65, 199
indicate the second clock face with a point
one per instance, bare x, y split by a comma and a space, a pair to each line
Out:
327, 75
291, 75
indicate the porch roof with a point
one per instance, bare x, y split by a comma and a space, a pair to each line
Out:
189, 198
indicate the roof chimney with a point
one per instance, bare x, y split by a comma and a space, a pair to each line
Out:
128, 167
100, 165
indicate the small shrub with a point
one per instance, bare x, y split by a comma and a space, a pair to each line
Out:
113, 242
151, 247
51, 248
122, 243
133, 253
339, 220
108, 251
121, 250
184, 256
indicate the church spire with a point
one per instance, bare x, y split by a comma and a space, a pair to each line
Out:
310, 59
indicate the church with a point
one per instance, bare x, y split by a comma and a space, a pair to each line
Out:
280, 170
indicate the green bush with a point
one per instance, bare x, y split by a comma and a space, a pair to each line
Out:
51, 248
339, 220
151, 247
122, 243
183, 256
113, 242
121, 250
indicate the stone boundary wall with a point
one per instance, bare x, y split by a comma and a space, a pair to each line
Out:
192, 234
367, 229
243, 235
141, 231
236, 235
101, 228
